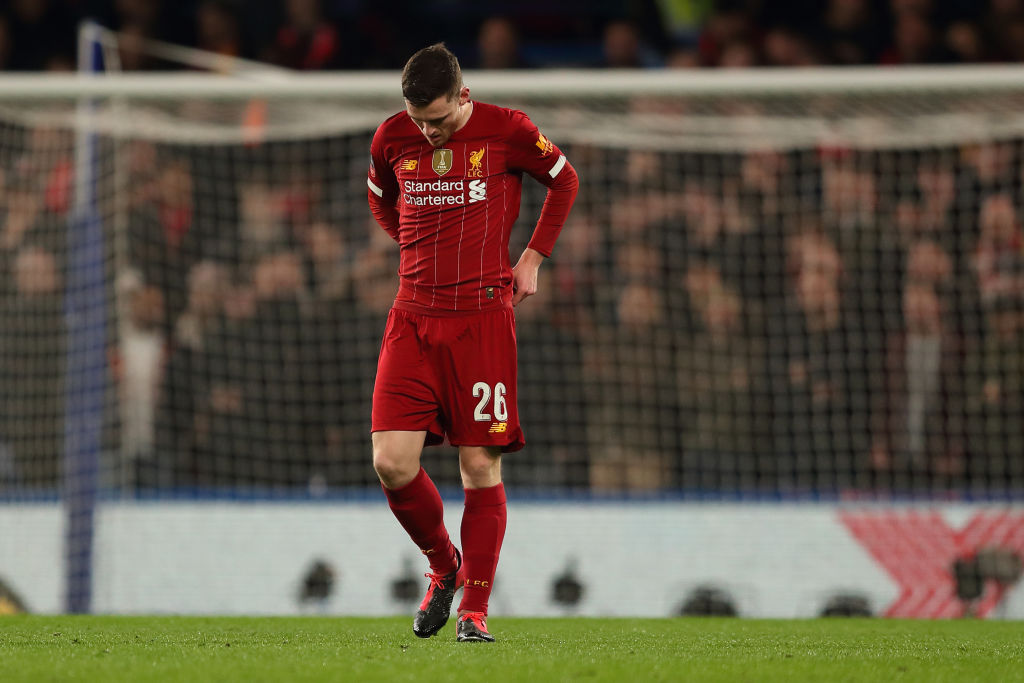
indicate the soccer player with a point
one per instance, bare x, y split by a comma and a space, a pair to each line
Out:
445, 181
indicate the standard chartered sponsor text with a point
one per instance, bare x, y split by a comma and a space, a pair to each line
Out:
436, 186
454, 186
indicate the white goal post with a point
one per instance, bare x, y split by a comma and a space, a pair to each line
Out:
775, 283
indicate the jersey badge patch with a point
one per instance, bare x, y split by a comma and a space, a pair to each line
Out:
442, 161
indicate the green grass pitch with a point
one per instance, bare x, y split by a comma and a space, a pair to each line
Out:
157, 649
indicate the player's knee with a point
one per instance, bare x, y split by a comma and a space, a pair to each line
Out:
480, 469
392, 468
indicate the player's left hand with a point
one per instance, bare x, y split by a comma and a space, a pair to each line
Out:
524, 275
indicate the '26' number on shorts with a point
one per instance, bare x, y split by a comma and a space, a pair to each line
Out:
483, 390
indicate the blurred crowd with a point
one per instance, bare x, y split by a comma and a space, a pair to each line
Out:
820, 319
810, 320
356, 34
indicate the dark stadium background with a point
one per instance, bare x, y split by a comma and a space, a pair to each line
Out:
359, 34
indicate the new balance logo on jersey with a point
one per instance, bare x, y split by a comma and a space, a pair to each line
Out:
409, 165
498, 428
477, 190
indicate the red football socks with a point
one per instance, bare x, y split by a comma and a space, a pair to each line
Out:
419, 510
483, 529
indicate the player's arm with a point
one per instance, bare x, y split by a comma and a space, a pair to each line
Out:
532, 152
382, 188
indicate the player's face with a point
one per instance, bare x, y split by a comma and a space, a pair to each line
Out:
441, 118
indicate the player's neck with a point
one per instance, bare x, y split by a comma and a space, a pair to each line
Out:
465, 112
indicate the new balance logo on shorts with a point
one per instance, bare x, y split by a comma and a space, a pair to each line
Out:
498, 428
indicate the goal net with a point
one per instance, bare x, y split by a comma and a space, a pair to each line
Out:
769, 284
773, 285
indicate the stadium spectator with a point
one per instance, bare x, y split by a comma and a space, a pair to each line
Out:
812, 382
337, 348
205, 284
38, 30
1009, 37
497, 45
918, 425
936, 184
622, 47
999, 258
330, 262
263, 218
552, 389
786, 46
739, 55
357, 326
673, 23
914, 41
162, 237
721, 379
987, 168
851, 31
139, 367
217, 28
726, 26
308, 40
965, 43
187, 376
682, 58
996, 412
635, 424
576, 271
24, 210
32, 358
132, 54
254, 419
6, 43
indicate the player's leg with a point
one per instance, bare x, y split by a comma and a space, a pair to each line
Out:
404, 414
413, 497
483, 530
417, 506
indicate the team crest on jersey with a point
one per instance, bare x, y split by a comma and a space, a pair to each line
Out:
409, 165
442, 161
544, 145
476, 160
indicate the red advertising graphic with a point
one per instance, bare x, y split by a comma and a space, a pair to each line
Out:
918, 548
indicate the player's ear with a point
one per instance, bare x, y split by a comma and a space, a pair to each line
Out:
463, 95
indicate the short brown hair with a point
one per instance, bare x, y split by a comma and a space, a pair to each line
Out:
430, 73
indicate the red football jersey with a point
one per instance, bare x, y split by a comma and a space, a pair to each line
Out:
452, 209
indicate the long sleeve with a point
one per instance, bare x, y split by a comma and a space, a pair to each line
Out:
382, 189
530, 151
561, 195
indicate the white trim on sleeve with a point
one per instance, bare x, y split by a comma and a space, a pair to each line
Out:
380, 193
557, 168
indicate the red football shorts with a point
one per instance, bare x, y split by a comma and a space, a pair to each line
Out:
453, 376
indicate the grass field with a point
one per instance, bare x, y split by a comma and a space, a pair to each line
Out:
156, 649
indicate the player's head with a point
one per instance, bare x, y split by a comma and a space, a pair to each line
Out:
435, 97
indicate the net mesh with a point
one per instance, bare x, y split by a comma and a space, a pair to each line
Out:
791, 293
